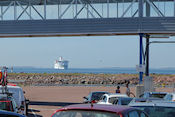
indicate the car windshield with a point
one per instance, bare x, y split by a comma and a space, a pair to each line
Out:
5, 105
125, 101
97, 95
82, 113
158, 111
168, 97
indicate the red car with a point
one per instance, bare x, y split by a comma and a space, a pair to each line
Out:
98, 110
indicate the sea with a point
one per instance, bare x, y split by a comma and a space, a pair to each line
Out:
90, 70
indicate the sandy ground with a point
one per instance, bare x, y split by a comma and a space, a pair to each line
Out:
45, 100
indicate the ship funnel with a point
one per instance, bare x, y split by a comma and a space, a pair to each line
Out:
61, 58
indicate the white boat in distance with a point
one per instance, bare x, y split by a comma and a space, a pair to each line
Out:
61, 64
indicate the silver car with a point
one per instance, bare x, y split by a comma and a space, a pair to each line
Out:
94, 96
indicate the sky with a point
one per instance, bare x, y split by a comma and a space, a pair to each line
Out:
83, 52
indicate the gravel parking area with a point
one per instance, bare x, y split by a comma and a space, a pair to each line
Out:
45, 100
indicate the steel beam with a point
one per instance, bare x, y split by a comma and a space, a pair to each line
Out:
140, 9
88, 27
147, 9
128, 8
160, 14
174, 8
1, 13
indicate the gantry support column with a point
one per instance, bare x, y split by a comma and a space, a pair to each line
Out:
147, 55
141, 58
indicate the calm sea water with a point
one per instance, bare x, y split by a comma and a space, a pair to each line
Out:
90, 70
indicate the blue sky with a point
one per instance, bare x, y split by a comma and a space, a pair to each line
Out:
83, 52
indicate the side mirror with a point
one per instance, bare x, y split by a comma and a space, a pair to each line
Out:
141, 96
85, 98
27, 101
21, 107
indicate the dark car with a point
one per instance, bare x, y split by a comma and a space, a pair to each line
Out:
98, 110
158, 95
94, 96
9, 114
156, 109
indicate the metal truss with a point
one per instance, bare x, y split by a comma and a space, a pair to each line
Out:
78, 9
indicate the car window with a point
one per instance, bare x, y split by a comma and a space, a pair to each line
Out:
89, 96
14, 103
141, 96
168, 97
142, 114
125, 101
81, 113
157, 95
97, 95
158, 111
116, 102
6, 106
112, 99
133, 114
103, 99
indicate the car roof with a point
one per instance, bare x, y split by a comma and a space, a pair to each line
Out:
15, 87
100, 92
162, 104
97, 107
156, 92
116, 95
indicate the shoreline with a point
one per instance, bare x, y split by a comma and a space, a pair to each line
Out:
63, 79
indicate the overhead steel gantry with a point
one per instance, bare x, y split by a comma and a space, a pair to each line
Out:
29, 18
38, 18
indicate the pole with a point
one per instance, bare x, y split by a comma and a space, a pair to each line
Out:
147, 55
140, 58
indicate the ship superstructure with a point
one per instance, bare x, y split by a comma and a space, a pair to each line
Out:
61, 64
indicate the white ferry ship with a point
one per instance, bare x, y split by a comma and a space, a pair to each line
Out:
61, 64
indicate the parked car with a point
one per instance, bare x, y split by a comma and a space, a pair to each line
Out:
8, 103
18, 95
110, 98
94, 96
9, 114
169, 97
159, 95
98, 110
156, 109
122, 101
146, 100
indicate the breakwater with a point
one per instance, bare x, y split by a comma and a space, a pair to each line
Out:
85, 79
